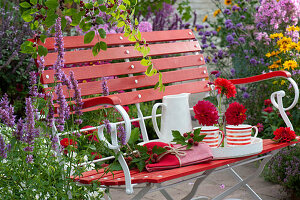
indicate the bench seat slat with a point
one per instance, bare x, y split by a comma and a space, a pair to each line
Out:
73, 57
115, 69
126, 83
71, 42
166, 175
151, 94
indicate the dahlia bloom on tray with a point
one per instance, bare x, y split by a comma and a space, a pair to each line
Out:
284, 134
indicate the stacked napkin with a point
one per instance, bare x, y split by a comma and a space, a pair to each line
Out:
195, 155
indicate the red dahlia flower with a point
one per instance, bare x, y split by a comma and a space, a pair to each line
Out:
235, 114
206, 113
92, 134
267, 102
226, 87
97, 155
284, 134
65, 142
268, 109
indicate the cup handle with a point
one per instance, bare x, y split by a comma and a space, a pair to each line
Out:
223, 137
154, 109
256, 131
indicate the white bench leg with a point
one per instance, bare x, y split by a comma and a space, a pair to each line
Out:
196, 185
143, 192
164, 192
236, 175
249, 178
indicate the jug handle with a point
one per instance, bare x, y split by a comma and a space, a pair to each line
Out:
154, 109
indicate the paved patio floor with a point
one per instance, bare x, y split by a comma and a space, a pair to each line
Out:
211, 187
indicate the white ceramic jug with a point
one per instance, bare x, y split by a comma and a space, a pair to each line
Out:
175, 116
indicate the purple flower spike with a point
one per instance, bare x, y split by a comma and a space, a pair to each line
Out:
7, 112
50, 115
107, 125
122, 134
105, 90
30, 131
77, 96
18, 133
3, 148
29, 158
246, 95
63, 110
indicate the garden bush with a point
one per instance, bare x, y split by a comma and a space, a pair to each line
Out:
243, 38
14, 66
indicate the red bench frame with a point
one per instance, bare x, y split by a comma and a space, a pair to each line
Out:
168, 45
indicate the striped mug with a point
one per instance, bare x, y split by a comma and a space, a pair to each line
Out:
214, 137
239, 135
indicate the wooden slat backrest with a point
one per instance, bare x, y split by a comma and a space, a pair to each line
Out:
176, 56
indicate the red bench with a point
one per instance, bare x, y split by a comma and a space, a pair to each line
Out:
183, 69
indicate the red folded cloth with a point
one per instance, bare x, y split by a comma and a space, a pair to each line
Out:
195, 155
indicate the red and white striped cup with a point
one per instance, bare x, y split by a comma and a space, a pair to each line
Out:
239, 135
214, 137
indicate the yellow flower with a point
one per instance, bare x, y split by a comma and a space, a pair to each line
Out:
205, 18
293, 45
293, 28
282, 82
217, 12
227, 2
285, 47
276, 35
195, 28
290, 64
273, 53
284, 40
219, 28
275, 82
298, 46
268, 55
273, 66
277, 62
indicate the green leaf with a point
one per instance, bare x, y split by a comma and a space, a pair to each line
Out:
142, 149
144, 62
96, 49
103, 45
43, 51
70, 12
34, 2
51, 19
189, 146
158, 150
88, 38
103, 8
102, 33
27, 18
100, 2
135, 135
127, 2
199, 138
140, 165
86, 26
120, 24
115, 166
122, 7
92, 147
75, 19
99, 20
178, 138
197, 131
25, 4
52, 4
63, 23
